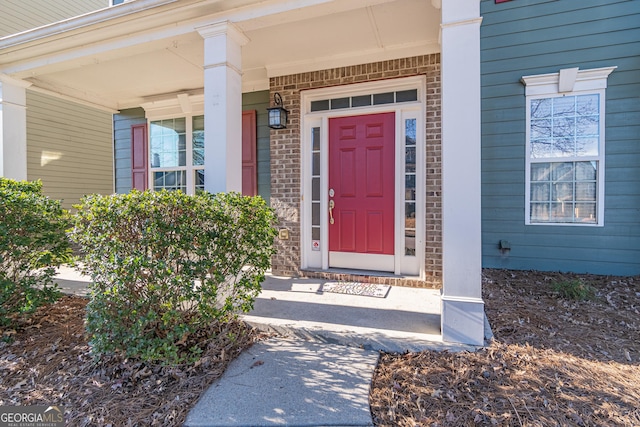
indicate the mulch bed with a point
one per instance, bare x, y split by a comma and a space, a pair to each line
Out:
49, 362
553, 362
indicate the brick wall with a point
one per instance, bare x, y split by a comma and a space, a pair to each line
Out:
286, 152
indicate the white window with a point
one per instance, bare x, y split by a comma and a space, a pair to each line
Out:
565, 147
176, 153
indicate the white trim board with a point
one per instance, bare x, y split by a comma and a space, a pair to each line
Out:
319, 259
585, 80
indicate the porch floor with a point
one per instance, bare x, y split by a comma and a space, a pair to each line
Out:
407, 319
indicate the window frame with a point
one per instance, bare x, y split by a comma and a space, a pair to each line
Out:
599, 159
189, 168
569, 82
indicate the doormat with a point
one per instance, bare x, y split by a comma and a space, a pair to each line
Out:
357, 288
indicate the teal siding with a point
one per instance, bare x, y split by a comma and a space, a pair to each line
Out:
259, 101
122, 122
528, 37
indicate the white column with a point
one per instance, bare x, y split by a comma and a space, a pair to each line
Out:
222, 107
13, 128
462, 305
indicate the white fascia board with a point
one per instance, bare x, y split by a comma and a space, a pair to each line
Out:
543, 84
143, 20
61, 60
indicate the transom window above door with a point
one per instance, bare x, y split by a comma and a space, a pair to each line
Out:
365, 100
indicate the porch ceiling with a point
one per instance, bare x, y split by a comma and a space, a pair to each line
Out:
126, 59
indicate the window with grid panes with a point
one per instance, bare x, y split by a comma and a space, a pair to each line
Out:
564, 158
565, 147
177, 154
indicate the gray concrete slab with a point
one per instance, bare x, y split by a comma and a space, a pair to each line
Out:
71, 282
407, 319
290, 382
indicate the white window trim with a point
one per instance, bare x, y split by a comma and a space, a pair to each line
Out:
174, 106
572, 82
189, 169
585, 80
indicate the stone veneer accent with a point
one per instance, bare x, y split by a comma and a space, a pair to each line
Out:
286, 153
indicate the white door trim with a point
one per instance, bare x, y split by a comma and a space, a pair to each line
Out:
319, 259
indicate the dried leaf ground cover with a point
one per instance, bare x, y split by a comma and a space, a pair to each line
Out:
49, 362
553, 362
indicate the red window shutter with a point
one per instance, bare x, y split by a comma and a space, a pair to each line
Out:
139, 178
249, 160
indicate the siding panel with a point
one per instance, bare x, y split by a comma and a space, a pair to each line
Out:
22, 15
528, 37
69, 147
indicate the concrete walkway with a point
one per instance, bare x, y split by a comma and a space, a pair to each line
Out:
318, 372
283, 382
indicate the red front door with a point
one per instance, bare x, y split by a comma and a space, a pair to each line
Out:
361, 186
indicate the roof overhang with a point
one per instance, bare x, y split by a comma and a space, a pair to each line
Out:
127, 55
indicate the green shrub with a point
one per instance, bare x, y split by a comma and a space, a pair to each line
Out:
32, 243
574, 289
166, 265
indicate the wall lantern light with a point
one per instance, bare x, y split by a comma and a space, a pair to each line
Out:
277, 114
